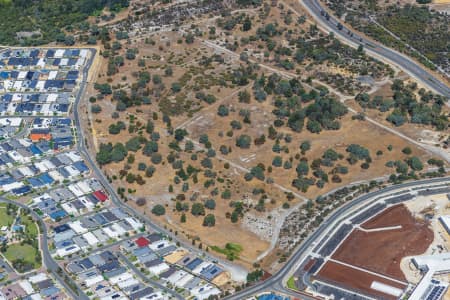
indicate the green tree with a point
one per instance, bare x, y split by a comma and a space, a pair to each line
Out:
243, 141
247, 25
209, 220
198, 209
158, 210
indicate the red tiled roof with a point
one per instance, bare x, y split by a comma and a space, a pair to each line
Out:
101, 196
142, 242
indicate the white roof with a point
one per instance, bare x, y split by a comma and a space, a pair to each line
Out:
90, 238
52, 97
67, 251
49, 164
41, 166
202, 292
387, 289
69, 208
201, 267
134, 223
64, 62
52, 75
159, 245
36, 296
22, 74
56, 176
41, 62
26, 171
26, 285
15, 122
127, 283
435, 264
73, 156
84, 187
41, 198
93, 280
72, 171
77, 227
75, 190
158, 269
40, 85
11, 186
16, 156
59, 53
37, 278
121, 277
118, 228
25, 143
111, 232
86, 202
18, 84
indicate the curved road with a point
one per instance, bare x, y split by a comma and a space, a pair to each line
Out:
81, 147
48, 260
376, 49
275, 283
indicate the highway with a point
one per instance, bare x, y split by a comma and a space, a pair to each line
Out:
375, 49
275, 283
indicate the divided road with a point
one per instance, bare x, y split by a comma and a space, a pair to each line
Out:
376, 49
275, 283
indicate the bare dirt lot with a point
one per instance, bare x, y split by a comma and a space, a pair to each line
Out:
356, 280
392, 216
382, 251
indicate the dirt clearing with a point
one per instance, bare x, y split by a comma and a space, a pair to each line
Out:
356, 280
382, 251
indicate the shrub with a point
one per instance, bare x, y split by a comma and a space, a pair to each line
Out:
158, 210
243, 141
209, 220
198, 209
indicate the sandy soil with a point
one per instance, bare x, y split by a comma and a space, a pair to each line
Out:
392, 216
355, 279
382, 251
185, 61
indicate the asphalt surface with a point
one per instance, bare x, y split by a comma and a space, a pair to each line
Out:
48, 260
402, 61
147, 279
82, 149
275, 283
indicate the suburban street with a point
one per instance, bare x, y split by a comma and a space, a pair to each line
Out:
47, 258
276, 283
82, 148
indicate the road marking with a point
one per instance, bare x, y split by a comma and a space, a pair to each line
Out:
368, 271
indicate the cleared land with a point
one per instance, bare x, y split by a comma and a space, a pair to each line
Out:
382, 251
180, 80
355, 279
